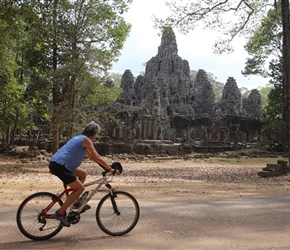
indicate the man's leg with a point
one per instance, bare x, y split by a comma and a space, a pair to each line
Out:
78, 188
81, 174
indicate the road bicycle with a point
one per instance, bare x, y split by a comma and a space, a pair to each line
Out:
117, 213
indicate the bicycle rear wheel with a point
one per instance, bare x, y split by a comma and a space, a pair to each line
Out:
119, 221
31, 221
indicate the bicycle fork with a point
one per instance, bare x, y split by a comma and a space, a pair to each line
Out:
113, 196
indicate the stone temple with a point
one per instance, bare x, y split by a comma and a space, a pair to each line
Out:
165, 104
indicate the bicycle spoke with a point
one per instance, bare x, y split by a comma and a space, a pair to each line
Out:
29, 219
118, 224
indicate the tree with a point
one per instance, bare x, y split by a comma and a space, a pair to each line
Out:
286, 70
235, 18
13, 108
264, 92
57, 55
266, 45
273, 120
73, 44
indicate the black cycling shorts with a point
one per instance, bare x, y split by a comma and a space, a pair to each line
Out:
62, 173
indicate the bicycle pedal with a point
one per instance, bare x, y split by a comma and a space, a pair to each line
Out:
85, 208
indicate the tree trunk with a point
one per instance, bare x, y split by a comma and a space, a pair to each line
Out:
72, 85
286, 70
55, 130
55, 89
14, 128
72, 107
8, 132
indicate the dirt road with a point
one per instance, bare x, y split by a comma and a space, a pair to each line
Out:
184, 204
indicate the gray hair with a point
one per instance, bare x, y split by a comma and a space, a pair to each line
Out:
91, 129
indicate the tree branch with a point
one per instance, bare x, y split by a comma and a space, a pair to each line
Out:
220, 7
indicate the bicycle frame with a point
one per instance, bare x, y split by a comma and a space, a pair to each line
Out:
100, 181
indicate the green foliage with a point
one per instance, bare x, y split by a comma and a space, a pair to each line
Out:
107, 95
217, 87
116, 78
92, 34
265, 44
14, 112
273, 120
12, 106
264, 92
273, 123
92, 92
54, 57
245, 92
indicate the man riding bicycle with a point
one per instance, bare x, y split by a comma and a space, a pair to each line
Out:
66, 161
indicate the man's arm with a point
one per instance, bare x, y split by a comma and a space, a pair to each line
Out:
93, 154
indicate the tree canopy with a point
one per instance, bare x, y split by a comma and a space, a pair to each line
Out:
57, 55
230, 18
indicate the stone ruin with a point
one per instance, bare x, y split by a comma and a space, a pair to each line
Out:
165, 112
272, 170
166, 105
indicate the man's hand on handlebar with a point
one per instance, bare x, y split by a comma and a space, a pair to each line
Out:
115, 169
114, 172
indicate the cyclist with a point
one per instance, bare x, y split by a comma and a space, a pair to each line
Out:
66, 161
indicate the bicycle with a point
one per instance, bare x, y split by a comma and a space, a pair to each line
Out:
117, 213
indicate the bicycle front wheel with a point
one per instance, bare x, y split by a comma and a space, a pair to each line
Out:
118, 215
31, 221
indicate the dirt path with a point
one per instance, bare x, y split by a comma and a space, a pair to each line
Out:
155, 179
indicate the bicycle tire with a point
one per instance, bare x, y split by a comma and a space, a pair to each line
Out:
29, 220
113, 224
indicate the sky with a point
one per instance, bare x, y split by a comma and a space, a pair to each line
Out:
196, 47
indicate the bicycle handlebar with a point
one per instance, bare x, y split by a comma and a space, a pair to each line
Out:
107, 171
116, 166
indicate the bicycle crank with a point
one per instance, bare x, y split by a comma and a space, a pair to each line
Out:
73, 217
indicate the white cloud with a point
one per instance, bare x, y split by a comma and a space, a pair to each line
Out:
195, 47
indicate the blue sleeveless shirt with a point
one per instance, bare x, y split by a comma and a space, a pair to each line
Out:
71, 154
